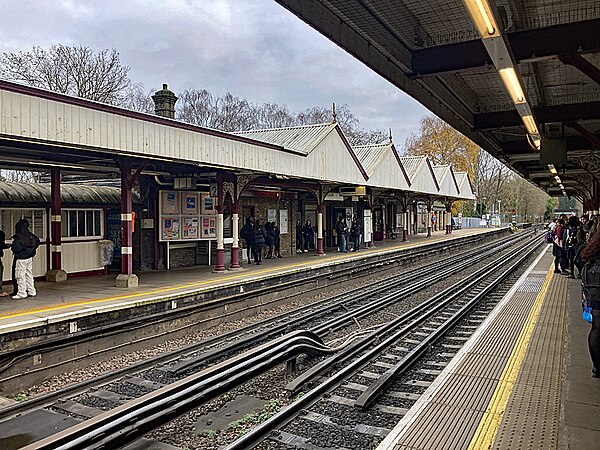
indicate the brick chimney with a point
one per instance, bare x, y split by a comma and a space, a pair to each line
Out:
164, 102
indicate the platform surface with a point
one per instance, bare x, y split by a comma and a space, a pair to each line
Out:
85, 296
523, 381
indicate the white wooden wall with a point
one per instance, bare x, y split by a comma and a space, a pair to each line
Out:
80, 256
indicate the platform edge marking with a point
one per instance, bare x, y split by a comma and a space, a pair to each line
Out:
486, 432
402, 427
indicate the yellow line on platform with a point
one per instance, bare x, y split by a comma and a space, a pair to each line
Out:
217, 281
485, 434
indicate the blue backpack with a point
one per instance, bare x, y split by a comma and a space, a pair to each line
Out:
549, 236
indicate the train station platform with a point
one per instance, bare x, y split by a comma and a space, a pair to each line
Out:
78, 298
522, 381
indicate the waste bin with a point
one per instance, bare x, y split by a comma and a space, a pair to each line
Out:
107, 252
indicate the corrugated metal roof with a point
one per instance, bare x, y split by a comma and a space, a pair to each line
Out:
464, 185
411, 164
302, 139
11, 192
370, 155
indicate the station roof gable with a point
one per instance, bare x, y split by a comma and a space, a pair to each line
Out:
421, 175
383, 166
446, 180
464, 185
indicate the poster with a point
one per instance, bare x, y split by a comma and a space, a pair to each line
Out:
271, 215
208, 204
283, 221
190, 203
170, 228
170, 202
190, 228
209, 227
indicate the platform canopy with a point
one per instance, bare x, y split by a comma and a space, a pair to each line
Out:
464, 185
383, 166
514, 76
446, 180
421, 175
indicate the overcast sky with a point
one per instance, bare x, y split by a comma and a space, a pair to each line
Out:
254, 49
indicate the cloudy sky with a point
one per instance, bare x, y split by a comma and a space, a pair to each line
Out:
254, 49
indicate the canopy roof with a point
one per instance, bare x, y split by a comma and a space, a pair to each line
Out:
432, 50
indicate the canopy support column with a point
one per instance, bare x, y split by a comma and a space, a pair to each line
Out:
220, 263
56, 273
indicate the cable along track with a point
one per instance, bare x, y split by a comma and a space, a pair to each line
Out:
135, 418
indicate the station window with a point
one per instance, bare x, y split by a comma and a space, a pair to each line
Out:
82, 223
35, 217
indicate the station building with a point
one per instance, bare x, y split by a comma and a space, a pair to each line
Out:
185, 191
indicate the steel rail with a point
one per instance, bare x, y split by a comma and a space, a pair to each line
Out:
441, 298
237, 346
137, 417
347, 317
259, 433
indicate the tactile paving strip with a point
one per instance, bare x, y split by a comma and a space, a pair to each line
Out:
462, 401
532, 414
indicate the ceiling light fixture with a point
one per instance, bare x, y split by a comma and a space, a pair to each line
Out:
482, 17
512, 84
553, 170
530, 124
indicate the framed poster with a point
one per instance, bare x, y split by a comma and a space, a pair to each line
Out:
208, 204
190, 228
170, 228
271, 215
189, 203
283, 221
170, 202
209, 227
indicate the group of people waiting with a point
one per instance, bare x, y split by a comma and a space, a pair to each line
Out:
305, 236
24, 246
576, 244
260, 238
348, 238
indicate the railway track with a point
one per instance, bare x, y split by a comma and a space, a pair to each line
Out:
194, 389
96, 343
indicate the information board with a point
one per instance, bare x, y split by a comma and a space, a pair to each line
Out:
283, 221
187, 216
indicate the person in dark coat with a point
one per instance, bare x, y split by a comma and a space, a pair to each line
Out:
308, 234
24, 247
269, 239
259, 241
3, 246
355, 234
342, 231
570, 244
277, 242
247, 234
299, 237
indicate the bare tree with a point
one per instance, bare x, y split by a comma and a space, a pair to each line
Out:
272, 115
76, 70
138, 100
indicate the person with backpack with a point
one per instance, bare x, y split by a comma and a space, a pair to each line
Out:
342, 231
355, 233
590, 286
308, 234
570, 244
24, 247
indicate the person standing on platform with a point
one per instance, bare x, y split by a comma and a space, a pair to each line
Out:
3, 246
259, 241
277, 240
591, 294
269, 239
247, 234
341, 229
557, 246
308, 235
24, 246
355, 234
299, 237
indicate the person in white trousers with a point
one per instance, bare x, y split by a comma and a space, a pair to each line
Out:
24, 247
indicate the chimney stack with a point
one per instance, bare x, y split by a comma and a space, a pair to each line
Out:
164, 103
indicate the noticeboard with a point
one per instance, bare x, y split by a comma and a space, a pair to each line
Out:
187, 216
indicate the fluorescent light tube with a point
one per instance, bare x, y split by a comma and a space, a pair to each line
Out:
512, 84
482, 18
